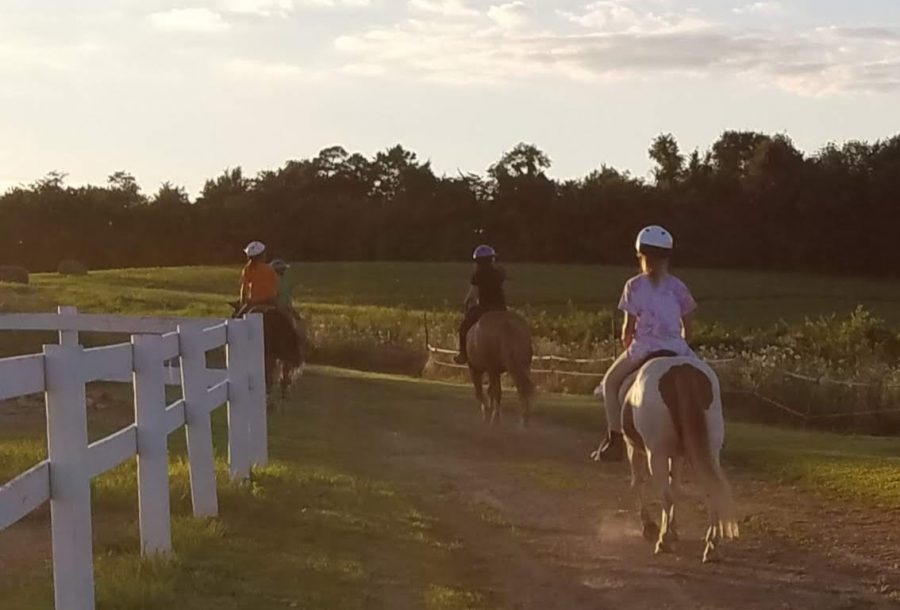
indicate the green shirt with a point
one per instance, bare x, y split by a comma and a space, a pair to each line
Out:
286, 285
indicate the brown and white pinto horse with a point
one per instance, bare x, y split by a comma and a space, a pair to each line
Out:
672, 411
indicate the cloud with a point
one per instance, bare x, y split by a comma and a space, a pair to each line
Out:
263, 8
511, 16
446, 8
253, 69
333, 3
813, 62
197, 20
769, 8
631, 16
871, 34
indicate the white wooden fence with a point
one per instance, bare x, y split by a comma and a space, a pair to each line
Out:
63, 370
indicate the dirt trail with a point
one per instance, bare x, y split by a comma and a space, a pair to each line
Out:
547, 529
554, 530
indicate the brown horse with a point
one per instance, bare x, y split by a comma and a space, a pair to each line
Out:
284, 347
500, 342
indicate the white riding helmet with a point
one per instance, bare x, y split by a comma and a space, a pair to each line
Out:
254, 248
654, 237
484, 251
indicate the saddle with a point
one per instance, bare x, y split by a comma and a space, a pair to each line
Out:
664, 353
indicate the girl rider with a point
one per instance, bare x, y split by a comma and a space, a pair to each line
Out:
485, 294
659, 312
259, 282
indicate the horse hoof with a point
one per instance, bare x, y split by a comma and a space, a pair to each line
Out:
710, 554
662, 548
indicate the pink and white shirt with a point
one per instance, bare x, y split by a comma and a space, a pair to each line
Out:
659, 309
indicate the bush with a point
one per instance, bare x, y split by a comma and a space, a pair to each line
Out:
13, 274
72, 267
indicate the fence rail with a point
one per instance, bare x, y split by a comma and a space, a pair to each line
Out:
62, 372
771, 402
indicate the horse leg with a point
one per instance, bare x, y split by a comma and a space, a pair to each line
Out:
659, 471
713, 535
495, 392
525, 391
478, 382
286, 373
270, 372
639, 477
716, 532
677, 486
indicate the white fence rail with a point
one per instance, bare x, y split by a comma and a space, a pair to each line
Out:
62, 371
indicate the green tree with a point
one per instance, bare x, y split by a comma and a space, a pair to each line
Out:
669, 160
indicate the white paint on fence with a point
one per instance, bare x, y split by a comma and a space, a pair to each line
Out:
62, 372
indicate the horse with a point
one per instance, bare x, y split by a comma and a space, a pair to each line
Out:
500, 342
284, 346
672, 411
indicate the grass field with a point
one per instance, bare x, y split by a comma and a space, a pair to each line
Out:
734, 298
372, 316
338, 520
314, 529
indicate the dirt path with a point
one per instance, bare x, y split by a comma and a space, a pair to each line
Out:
542, 526
553, 530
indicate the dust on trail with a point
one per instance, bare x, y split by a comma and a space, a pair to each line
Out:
553, 530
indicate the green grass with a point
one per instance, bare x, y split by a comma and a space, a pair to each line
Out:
334, 523
314, 529
372, 315
319, 528
738, 298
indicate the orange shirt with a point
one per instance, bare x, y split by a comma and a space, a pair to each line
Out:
259, 283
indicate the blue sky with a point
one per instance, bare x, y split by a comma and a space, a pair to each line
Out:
181, 90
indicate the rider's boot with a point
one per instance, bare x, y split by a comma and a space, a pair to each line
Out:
461, 358
612, 449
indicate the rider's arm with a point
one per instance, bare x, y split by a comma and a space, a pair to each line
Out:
245, 288
471, 297
628, 329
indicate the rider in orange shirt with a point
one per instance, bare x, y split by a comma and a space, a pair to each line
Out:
259, 282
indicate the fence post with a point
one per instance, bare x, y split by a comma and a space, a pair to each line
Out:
198, 427
239, 399
259, 452
67, 337
152, 445
70, 480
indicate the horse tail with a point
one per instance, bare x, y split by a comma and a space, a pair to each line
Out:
689, 394
516, 352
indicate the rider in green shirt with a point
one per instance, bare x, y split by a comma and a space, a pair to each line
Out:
286, 285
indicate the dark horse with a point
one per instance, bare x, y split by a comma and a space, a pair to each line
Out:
283, 345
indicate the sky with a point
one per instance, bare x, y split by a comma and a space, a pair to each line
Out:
179, 91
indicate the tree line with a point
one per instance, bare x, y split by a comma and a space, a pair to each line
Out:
751, 201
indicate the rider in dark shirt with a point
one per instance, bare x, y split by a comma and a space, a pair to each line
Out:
485, 294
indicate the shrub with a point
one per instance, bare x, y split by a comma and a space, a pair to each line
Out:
13, 274
72, 267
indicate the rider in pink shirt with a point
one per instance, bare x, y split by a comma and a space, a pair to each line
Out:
658, 311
